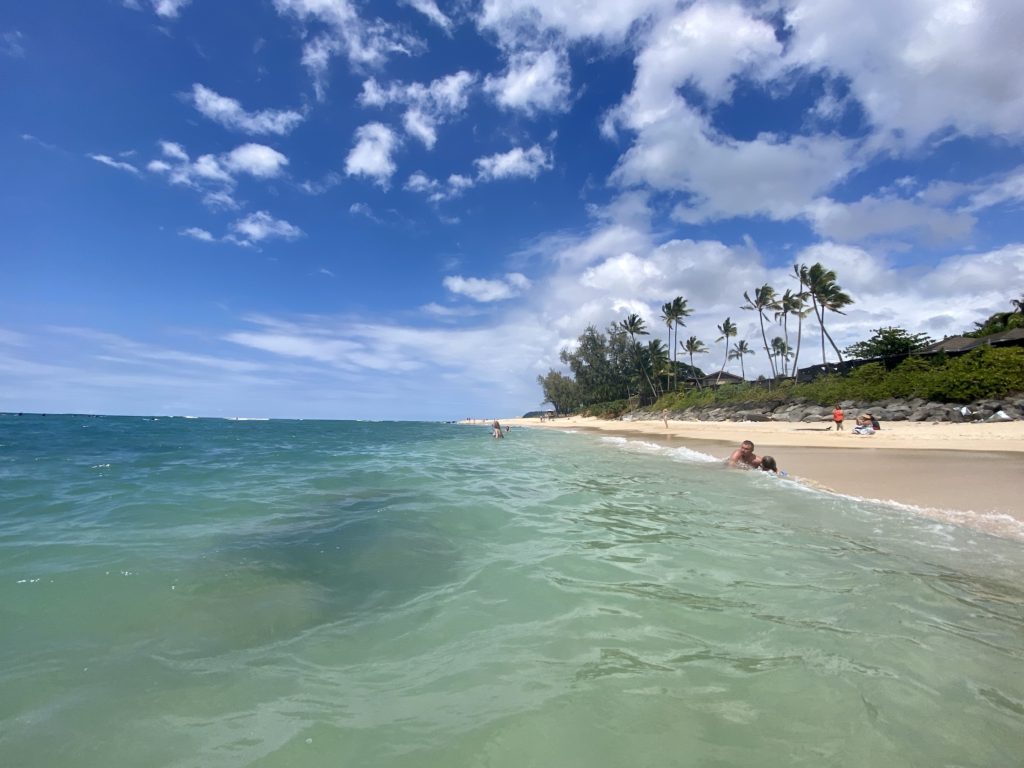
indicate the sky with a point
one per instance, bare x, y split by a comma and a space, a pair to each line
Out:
406, 209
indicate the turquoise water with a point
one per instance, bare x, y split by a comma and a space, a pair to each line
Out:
215, 593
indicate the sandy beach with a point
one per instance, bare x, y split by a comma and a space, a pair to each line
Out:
964, 473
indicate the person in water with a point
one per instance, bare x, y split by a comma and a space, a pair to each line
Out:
496, 426
744, 457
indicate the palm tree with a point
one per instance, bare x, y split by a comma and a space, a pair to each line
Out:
826, 294
658, 358
790, 304
739, 349
781, 350
672, 314
799, 271
694, 346
634, 326
728, 330
764, 299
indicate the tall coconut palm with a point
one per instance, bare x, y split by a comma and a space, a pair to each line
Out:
694, 346
634, 326
790, 304
657, 357
728, 330
831, 298
781, 350
739, 349
826, 295
672, 314
764, 300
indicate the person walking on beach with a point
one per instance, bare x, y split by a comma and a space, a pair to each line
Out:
744, 457
497, 429
837, 417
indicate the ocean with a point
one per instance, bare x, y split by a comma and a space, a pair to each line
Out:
204, 592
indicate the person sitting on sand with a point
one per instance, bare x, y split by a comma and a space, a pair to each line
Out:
744, 457
864, 426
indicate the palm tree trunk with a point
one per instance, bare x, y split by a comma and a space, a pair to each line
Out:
838, 353
785, 335
799, 337
700, 387
767, 351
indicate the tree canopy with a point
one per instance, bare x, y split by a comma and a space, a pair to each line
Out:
888, 341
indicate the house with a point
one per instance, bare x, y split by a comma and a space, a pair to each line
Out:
712, 380
959, 344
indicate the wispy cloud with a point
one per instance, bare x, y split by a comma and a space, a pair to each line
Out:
12, 44
118, 164
230, 113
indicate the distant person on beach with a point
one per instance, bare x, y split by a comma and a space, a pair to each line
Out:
837, 417
864, 425
744, 457
497, 429
664, 417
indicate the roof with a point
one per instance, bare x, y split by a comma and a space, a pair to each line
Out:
965, 343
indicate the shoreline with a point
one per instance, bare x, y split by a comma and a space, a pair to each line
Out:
966, 474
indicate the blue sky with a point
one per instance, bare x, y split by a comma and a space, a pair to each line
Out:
337, 209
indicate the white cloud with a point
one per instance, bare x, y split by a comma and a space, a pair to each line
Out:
534, 81
872, 217
12, 44
365, 43
260, 226
516, 162
230, 113
169, 9
478, 289
420, 182
1008, 189
371, 156
517, 21
362, 209
214, 175
427, 106
429, 9
256, 160
919, 66
120, 165
198, 234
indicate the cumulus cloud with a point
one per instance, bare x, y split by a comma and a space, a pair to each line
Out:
169, 9
372, 154
534, 81
255, 160
197, 233
230, 113
427, 106
215, 175
260, 226
516, 162
918, 68
478, 289
872, 217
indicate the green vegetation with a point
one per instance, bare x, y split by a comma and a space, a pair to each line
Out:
1001, 321
613, 372
987, 372
888, 342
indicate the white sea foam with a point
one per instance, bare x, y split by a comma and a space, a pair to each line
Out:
680, 453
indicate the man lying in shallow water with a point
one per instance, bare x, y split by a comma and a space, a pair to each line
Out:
744, 457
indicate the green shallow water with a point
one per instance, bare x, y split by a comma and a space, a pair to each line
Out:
213, 593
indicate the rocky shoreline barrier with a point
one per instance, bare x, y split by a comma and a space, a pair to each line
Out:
891, 409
